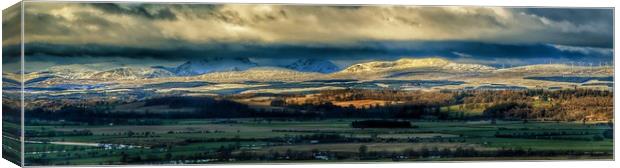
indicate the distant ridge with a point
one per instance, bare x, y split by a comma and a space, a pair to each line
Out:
313, 65
415, 63
214, 64
126, 73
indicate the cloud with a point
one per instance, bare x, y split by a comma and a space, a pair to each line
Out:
463, 55
574, 15
61, 33
11, 25
584, 50
168, 25
149, 11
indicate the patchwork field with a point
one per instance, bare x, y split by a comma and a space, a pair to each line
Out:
191, 141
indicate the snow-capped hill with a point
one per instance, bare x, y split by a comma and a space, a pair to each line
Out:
541, 67
421, 62
79, 71
412, 63
31, 78
126, 73
313, 65
72, 72
260, 74
468, 67
215, 64
370, 66
559, 69
11, 76
11, 79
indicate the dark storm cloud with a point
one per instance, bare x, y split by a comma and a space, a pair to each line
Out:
577, 26
149, 11
47, 24
576, 15
179, 32
191, 52
11, 33
11, 27
481, 51
474, 51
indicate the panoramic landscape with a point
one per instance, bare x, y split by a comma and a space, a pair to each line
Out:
117, 84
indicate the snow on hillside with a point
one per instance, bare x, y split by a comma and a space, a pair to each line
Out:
127, 73
411, 63
313, 65
72, 72
468, 67
260, 74
215, 64
542, 67
560, 69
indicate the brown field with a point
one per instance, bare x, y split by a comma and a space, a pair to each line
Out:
300, 100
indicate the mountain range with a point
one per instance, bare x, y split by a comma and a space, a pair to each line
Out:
227, 69
215, 64
313, 65
220, 64
412, 63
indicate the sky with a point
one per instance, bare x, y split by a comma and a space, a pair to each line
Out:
138, 34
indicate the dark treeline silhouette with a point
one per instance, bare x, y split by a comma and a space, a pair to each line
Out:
202, 107
507, 110
226, 154
11, 112
329, 110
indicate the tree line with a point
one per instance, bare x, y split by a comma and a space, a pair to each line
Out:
562, 105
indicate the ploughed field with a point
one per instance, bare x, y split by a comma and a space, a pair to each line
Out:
241, 140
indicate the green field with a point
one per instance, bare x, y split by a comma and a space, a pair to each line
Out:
203, 141
11, 144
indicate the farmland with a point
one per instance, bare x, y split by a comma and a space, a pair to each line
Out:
353, 124
206, 141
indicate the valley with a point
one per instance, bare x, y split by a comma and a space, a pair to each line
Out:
241, 112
